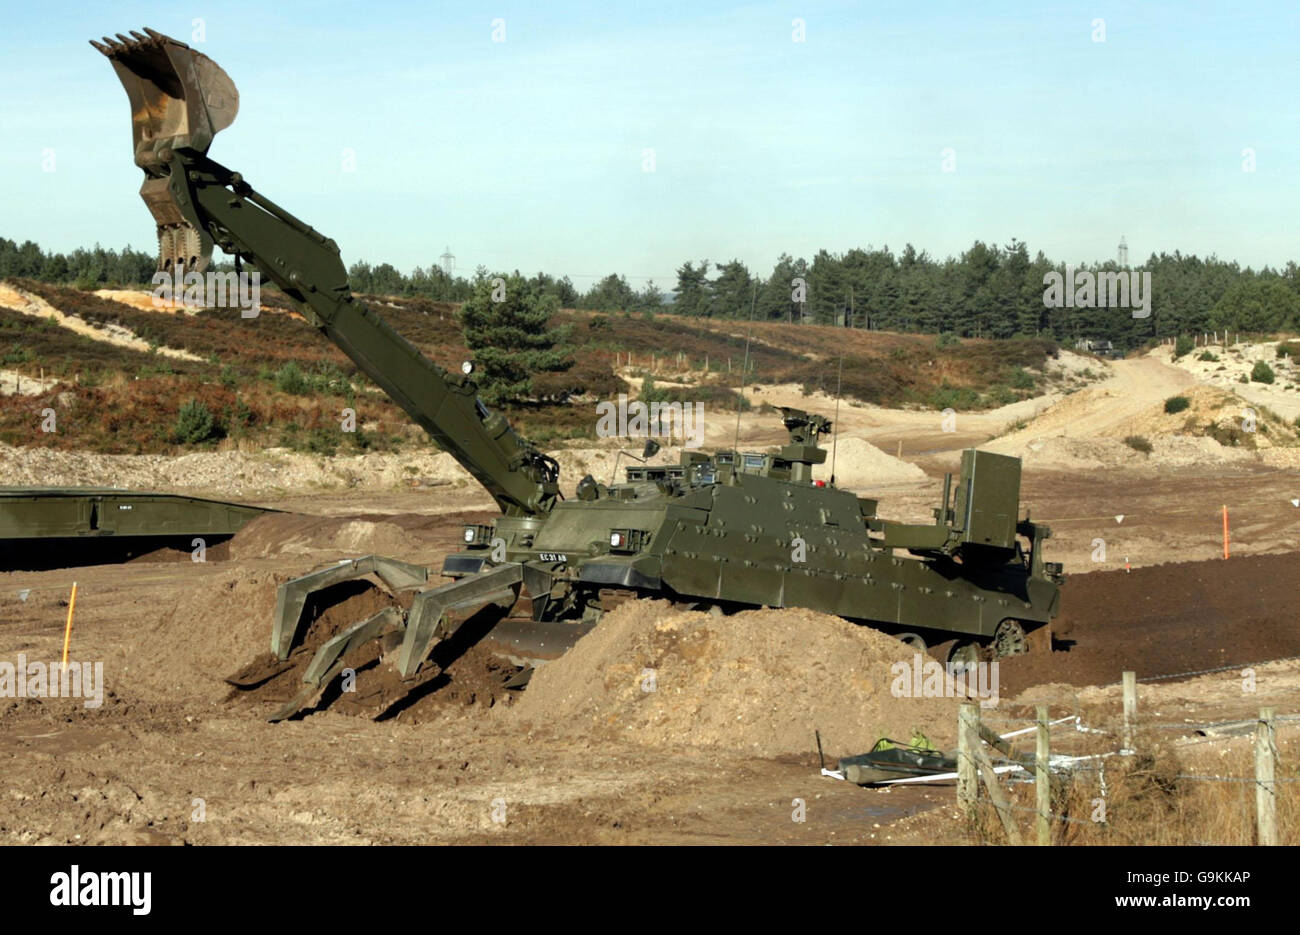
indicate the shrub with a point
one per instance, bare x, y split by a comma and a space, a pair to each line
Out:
1242, 378
1228, 435
1261, 373
1021, 379
651, 393
1207, 355
290, 379
1001, 395
1184, 345
946, 396
195, 424
1176, 404
1138, 443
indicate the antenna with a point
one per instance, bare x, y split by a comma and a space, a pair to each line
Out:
835, 428
744, 371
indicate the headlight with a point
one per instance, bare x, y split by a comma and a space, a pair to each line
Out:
477, 534
627, 540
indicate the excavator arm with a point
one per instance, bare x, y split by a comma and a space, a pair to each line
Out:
180, 99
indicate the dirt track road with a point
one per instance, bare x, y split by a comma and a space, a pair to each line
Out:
1099, 411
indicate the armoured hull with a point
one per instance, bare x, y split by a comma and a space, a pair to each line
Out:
81, 525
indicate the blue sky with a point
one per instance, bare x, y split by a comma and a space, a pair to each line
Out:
529, 153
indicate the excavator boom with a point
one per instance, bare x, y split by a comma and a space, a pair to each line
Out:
180, 99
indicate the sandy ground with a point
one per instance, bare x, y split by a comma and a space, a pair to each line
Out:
1236, 361
14, 383
167, 736
722, 752
20, 300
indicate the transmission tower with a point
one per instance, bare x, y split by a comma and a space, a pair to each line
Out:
448, 261
1123, 253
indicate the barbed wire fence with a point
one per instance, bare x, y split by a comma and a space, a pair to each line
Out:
1053, 777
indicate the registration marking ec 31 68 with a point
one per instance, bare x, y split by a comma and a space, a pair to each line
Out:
553, 556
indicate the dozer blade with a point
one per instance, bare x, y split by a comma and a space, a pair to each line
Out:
291, 597
331, 659
436, 615
431, 617
180, 99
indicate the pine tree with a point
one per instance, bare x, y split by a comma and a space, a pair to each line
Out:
506, 321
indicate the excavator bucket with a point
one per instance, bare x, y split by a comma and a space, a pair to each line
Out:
180, 99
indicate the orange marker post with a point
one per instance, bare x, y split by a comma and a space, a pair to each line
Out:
67, 630
1225, 530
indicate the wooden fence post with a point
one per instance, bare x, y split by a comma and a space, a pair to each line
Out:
967, 738
1265, 770
1130, 708
995, 793
1043, 780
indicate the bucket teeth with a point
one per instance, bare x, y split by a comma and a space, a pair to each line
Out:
180, 249
179, 98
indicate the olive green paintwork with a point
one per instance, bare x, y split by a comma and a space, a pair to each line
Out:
73, 512
54, 527
707, 532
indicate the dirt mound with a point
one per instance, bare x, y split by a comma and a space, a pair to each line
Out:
277, 535
860, 465
1167, 619
1061, 453
185, 652
1213, 413
1227, 367
759, 682
1210, 429
1110, 425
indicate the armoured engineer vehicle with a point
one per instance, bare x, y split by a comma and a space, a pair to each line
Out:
721, 532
